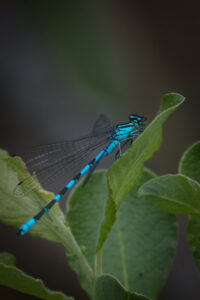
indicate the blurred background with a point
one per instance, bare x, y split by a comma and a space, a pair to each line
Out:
62, 64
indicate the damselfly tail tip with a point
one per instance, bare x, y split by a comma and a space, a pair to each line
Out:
19, 232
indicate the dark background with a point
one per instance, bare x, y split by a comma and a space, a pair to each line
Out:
61, 64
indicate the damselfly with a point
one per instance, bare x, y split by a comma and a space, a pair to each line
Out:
47, 161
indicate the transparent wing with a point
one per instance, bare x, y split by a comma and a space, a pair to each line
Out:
102, 126
52, 165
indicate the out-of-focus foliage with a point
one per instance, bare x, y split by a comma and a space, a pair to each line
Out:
77, 43
14, 278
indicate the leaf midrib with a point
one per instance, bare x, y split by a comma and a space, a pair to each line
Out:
197, 212
122, 251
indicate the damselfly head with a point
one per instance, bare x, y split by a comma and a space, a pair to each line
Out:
139, 120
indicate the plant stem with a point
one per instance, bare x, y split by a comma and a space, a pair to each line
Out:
72, 246
98, 264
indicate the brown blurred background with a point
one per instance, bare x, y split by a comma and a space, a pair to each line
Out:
61, 64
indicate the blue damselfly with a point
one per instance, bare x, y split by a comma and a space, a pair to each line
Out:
45, 162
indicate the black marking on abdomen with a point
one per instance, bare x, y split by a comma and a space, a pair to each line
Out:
91, 163
77, 177
63, 191
40, 214
45, 209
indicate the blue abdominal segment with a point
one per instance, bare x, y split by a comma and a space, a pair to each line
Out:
117, 134
25, 228
57, 197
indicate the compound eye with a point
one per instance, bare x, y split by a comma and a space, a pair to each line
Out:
132, 118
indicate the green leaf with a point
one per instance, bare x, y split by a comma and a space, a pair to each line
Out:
85, 211
14, 278
17, 210
7, 259
190, 167
124, 174
193, 236
140, 227
108, 288
190, 162
174, 193
140, 247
